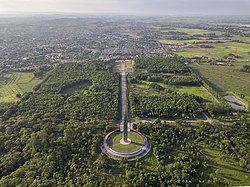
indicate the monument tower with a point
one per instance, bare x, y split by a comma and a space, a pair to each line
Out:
131, 144
125, 127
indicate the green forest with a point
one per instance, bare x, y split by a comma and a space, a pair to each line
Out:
52, 137
48, 137
171, 105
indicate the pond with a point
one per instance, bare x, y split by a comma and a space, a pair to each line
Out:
234, 103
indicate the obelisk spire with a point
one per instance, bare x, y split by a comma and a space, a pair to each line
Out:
125, 127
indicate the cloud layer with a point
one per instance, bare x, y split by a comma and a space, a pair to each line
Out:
149, 7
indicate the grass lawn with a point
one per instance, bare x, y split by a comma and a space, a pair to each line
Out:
144, 88
195, 90
118, 66
17, 83
136, 142
129, 64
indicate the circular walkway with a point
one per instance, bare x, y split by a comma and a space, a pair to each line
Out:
138, 148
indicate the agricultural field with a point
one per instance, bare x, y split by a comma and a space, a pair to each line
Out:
225, 78
17, 83
196, 35
167, 41
190, 31
219, 51
221, 44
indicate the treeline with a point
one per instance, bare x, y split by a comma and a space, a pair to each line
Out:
170, 105
5, 106
159, 65
187, 80
181, 37
246, 68
176, 33
175, 79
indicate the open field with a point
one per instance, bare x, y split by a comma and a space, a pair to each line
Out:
166, 41
225, 78
242, 39
17, 83
129, 64
144, 88
195, 90
193, 41
190, 31
220, 50
199, 34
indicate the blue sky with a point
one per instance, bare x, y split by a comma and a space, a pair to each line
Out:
148, 7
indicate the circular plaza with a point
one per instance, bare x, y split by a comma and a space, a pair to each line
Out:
136, 146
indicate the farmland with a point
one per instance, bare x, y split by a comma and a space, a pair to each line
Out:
225, 78
220, 50
196, 36
16, 83
218, 56
190, 43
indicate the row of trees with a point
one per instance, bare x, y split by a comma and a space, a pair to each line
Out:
182, 80
175, 79
246, 68
159, 65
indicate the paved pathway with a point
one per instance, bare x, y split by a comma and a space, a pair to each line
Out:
123, 91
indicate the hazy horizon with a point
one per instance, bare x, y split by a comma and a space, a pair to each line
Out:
133, 7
